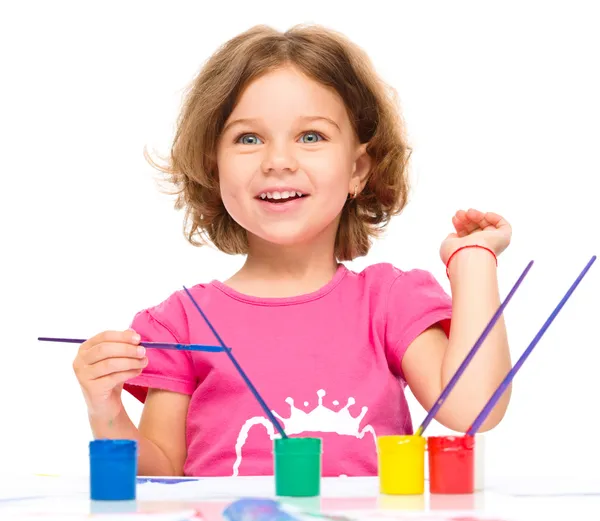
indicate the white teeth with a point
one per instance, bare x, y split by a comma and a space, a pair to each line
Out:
280, 195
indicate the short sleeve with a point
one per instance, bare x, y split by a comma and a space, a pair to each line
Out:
416, 302
167, 369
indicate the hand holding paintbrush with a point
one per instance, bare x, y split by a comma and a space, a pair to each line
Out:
103, 364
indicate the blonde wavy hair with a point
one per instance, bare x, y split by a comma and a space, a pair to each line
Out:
329, 58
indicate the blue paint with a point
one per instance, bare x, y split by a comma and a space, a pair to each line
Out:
251, 509
113, 470
164, 481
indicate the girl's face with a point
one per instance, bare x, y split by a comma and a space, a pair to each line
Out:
288, 158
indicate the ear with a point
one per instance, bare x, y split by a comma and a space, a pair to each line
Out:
361, 170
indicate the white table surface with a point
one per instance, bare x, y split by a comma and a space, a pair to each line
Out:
47, 498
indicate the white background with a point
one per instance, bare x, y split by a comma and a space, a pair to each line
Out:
502, 106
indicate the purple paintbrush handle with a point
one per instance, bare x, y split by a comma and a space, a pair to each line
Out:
241, 372
151, 345
511, 374
461, 369
64, 340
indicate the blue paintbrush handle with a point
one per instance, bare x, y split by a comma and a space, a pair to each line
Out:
184, 347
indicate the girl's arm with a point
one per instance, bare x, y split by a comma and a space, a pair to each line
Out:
432, 358
161, 434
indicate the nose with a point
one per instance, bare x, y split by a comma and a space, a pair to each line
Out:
279, 158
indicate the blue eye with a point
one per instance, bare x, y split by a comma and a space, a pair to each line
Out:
312, 137
249, 139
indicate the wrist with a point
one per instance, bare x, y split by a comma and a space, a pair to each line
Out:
465, 256
106, 415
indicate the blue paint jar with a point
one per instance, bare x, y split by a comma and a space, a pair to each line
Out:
113, 470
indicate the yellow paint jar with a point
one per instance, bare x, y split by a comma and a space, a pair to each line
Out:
401, 462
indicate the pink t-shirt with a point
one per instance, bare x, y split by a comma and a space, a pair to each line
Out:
328, 364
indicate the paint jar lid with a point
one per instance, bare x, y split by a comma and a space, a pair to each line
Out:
105, 448
394, 443
298, 446
449, 443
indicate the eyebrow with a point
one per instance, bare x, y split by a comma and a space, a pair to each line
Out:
322, 118
247, 121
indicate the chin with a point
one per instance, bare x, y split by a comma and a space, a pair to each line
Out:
288, 235
290, 239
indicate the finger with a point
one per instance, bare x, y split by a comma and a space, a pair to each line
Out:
113, 365
496, 220
460, 220
466, 223
127, 336
479, 218
112, 380
106, 350
459, 226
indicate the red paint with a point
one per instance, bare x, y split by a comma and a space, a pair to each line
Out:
451, 464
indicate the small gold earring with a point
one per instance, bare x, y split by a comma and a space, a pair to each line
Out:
355, 191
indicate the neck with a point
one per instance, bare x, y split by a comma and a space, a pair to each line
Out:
273, 270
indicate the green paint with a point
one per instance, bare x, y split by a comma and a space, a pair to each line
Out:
298, 467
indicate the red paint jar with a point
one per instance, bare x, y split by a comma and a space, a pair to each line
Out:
451, 464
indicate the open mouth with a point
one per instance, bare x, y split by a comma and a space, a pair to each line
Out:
281, 197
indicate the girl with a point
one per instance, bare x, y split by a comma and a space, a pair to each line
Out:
289, 150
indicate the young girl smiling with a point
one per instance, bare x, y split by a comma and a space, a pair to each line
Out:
290, 151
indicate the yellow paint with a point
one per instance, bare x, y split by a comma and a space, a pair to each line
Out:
414, 502
401, 464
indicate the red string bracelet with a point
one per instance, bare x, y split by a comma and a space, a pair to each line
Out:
468, 246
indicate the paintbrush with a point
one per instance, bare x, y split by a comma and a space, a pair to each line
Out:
511, 374
157, 345
250, 385
461, 369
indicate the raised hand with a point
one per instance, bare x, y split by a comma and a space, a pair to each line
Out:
474, 227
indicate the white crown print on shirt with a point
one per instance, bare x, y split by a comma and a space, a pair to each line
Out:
319, 419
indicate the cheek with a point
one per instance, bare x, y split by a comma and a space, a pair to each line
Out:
330, 173
231, 195
232, 177
234, 181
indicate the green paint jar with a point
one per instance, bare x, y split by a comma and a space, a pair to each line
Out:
298, 467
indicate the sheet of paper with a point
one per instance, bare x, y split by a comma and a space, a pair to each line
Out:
545, 486
348, 499
262, 486
75, 509
15, 487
